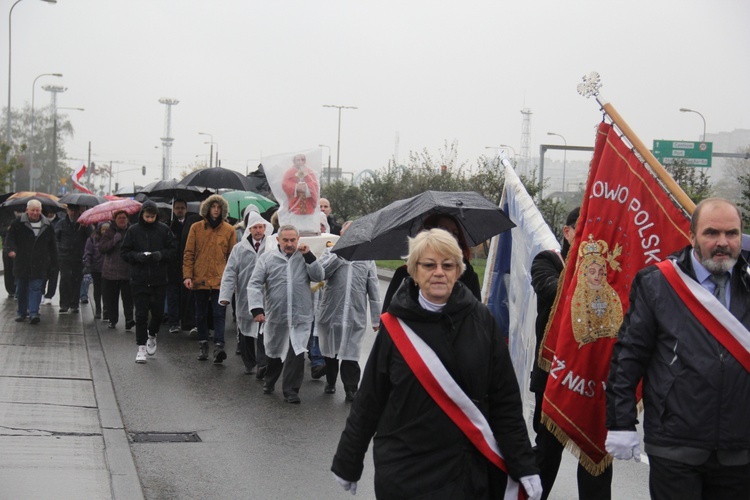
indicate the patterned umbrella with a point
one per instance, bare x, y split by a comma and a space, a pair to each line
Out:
17, 201
103, 212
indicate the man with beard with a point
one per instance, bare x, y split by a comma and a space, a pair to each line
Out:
686, 336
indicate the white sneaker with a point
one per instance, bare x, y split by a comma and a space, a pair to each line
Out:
151, 345
141, 356
47, 302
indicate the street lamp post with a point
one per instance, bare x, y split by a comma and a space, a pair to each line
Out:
565, 157
54, 144
10, 39
329, 161
686, 110
210, 156
31, 152
338, 146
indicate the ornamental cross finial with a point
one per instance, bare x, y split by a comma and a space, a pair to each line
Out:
590, 86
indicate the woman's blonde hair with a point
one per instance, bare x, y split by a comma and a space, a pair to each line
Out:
439, 241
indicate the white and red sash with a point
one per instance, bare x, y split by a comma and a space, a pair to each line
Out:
717, 320
439, 384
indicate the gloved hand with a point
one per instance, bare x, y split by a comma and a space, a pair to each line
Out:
155, 256
533, 486
141, 257
350, 486
623, 445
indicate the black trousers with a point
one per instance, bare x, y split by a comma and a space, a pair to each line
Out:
148, 299
669, 479
8, 276
71, 275
97, 278
548, 452
350, 373
51, 282
294, 371
111, 290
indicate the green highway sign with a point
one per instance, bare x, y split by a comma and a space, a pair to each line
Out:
693, 154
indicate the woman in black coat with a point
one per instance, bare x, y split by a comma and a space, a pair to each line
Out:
418, 450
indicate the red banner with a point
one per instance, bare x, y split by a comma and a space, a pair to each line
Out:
627, 222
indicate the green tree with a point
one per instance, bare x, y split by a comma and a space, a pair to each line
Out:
345, 200
8, 165
694, 181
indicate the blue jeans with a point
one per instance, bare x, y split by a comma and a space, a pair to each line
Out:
203, 300
29, 296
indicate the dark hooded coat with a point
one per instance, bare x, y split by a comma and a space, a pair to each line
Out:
155, 238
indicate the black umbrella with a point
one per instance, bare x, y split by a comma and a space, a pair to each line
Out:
259, 182
382, 235
217, 178
168, 190
82, 199
128, 190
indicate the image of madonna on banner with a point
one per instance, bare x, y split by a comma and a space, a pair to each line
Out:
293, 178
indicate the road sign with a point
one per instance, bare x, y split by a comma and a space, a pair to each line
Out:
692, 154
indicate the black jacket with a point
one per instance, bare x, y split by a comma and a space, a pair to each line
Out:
418, 451
71, 241
545, 274
35, 255
155, 238
695, 393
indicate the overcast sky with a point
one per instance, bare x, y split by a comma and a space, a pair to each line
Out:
256, 74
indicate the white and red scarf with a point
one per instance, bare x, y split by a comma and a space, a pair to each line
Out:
707, 309
449, 396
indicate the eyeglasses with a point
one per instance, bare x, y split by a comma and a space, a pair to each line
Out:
431, 266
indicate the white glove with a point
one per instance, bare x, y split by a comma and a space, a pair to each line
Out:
623, 445
533, 486
350, 486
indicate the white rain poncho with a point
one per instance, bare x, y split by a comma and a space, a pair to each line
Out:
286, 299
342, 320
238, 271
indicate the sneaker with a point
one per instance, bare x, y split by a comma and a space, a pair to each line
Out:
74, 310
63, 310
20, 319
84, 301
219, 355
141, 356
203, 353
174, 329
194, 331
47, 302
35, 320
330, 389
129, 325
151, 345
267, 389
111, 325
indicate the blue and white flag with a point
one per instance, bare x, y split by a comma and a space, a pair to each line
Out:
507, 284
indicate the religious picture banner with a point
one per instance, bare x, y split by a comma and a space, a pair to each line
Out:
294, 181
627, 222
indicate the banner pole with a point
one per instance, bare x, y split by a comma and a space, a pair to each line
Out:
674, 188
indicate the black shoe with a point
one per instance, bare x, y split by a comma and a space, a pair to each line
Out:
84, 301
317, 372
203, 354
330, 389
129, 325
63, 310
293, 399
111, 326
74, 310
35, 320
97, 315
261, 372
219, 355
267, 389
249, 371
237, 351
349, 396
20, 319
11, 296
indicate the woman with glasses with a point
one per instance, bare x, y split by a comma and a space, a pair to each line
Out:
439, 396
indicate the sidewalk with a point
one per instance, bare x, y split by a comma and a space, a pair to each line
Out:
61, 432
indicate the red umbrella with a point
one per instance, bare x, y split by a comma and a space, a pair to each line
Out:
103, 212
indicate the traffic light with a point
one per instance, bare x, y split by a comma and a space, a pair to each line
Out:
143, 170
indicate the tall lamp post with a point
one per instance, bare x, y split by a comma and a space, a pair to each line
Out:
686, 110
338, 146
210, 156
565, 157
54, 143
10, 40
31, 152
329, 161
